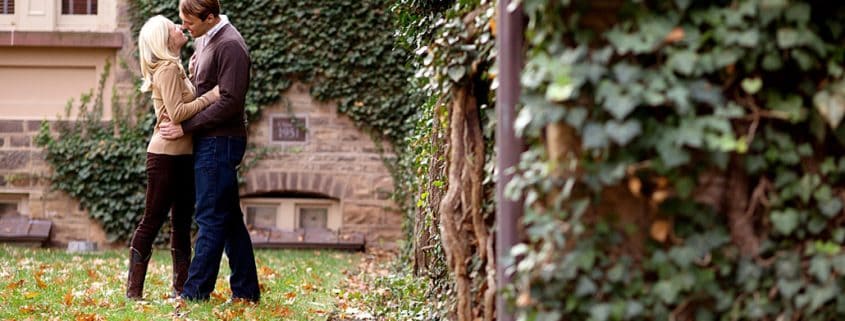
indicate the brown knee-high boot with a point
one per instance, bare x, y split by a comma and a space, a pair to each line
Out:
181, 263
137, 272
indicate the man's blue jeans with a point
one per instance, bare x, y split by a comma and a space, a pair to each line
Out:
220, 220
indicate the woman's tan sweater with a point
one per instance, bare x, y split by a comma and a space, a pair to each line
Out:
173, 100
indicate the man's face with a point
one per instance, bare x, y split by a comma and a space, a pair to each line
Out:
195, 25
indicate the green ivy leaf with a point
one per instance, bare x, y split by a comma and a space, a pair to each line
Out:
788, 38
788, 288
785, 221
594, 136
683, 62
623, 133
752, 85
820, 268
831, 208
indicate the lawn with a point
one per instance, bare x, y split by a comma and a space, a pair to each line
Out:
49, 284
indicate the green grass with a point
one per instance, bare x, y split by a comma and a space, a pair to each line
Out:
49, 284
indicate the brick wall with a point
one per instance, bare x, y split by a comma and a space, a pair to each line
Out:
337, 160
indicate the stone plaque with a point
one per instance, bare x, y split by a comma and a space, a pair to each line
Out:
287, 129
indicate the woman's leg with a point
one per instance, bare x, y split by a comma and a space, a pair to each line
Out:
159, 199
180, 221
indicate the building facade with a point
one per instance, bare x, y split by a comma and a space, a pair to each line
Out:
318, 173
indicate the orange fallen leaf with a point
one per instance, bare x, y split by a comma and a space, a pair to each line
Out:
217, 296
659, 196
282, 312
316, 311
91, 274
38, 281
493, 26
675, 35
68, 298
14, 285
88, 317
635, 186
290, 295
660, 230
26, 309
265, 271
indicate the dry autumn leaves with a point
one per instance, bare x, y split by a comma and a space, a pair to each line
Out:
46, 284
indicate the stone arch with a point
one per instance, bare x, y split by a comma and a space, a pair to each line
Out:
281, 181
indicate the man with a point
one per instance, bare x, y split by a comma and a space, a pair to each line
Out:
219, 132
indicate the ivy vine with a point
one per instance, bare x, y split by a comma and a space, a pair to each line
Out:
723, 120
343, 49
101, 164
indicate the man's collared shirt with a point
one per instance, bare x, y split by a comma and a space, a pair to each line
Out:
220, 24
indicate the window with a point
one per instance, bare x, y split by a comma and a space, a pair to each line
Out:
79, 7
13, 204
290, 214
261, 216
8, 209
313, 217
7, 7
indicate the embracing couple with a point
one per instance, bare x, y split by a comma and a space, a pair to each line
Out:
198, 141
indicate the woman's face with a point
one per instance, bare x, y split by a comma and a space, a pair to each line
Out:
177, 38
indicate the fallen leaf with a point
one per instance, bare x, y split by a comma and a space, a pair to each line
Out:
30, 295
14, 285
26, 309
282, 312
217, 296
675, 35
91, 274
635, 186
68, 298
659, 196
38, 281
660, 230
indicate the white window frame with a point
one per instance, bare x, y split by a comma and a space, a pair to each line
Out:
46, 15
287, 210
104, 20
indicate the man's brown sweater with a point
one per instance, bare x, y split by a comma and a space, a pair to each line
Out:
222, 61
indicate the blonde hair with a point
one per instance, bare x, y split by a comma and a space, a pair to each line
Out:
152, 48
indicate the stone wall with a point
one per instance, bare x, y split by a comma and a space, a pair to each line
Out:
337, 160
25, 173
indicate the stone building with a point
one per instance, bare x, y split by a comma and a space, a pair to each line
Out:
319, 173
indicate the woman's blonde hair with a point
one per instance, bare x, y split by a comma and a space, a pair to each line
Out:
152, 48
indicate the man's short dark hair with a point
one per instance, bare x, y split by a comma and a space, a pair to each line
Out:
200, 8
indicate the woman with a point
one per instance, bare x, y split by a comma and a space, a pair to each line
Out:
170, 179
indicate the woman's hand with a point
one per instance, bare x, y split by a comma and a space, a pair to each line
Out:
170, 130
214, 94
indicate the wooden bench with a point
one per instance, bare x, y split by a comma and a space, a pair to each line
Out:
22, 230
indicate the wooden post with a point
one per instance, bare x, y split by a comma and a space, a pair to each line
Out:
508, 213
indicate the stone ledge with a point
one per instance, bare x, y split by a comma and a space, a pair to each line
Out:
113, 40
